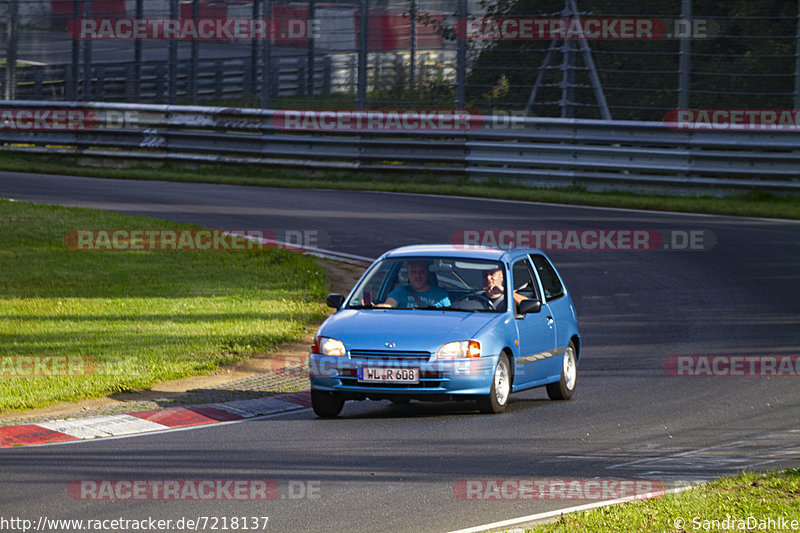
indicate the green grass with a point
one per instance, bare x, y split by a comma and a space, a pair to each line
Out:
142, 316
772, 495
755, 203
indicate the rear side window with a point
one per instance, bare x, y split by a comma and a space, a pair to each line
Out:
552, 286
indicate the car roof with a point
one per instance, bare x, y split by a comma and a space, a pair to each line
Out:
450, 250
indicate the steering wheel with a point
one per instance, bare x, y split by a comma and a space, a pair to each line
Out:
479, 296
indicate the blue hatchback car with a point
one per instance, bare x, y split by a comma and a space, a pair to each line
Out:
435, 322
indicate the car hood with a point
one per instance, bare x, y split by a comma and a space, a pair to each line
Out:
409, 330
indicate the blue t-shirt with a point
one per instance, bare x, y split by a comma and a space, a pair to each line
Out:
433, 296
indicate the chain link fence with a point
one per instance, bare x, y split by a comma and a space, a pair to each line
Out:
551, 58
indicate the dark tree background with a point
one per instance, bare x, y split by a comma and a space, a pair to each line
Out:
747, 61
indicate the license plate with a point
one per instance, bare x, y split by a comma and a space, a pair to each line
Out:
388, 375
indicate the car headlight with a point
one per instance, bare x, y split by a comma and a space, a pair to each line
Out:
328, 346
459, 350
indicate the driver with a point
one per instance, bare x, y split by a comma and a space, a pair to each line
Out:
494, 285
419, 292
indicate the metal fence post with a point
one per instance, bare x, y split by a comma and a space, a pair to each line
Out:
75, 66
461, 56
87, 57
413, 45
173, 57
797, 62
266, 57
194, 62
568, 81
137, 55
567, 70
99, 89
255, 48
312, 14
11, 52
326, 75
363, 24
684, 57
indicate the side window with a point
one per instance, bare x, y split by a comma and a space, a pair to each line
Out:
523, 282
550, 282
375, 286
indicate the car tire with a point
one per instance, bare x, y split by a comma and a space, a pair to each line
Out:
497, 399
563, 389
326, 404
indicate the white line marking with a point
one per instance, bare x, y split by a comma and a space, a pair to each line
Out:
310, 250
558, 512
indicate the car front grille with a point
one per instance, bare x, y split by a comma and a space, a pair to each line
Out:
390, 355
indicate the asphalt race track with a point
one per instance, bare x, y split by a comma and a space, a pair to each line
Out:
382, 467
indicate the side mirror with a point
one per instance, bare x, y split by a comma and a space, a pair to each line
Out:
529, 306
335, 300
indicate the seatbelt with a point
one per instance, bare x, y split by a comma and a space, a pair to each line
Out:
416, 297
493, 302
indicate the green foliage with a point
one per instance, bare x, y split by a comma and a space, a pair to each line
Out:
143, 316
772, 495
745, 62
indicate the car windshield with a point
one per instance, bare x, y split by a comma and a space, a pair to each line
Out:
432, 283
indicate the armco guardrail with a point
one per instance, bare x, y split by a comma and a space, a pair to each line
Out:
541, 151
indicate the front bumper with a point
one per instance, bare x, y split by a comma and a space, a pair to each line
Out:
438, 378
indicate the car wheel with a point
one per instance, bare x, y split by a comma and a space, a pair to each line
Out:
326, 404
569, 374
497, 399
